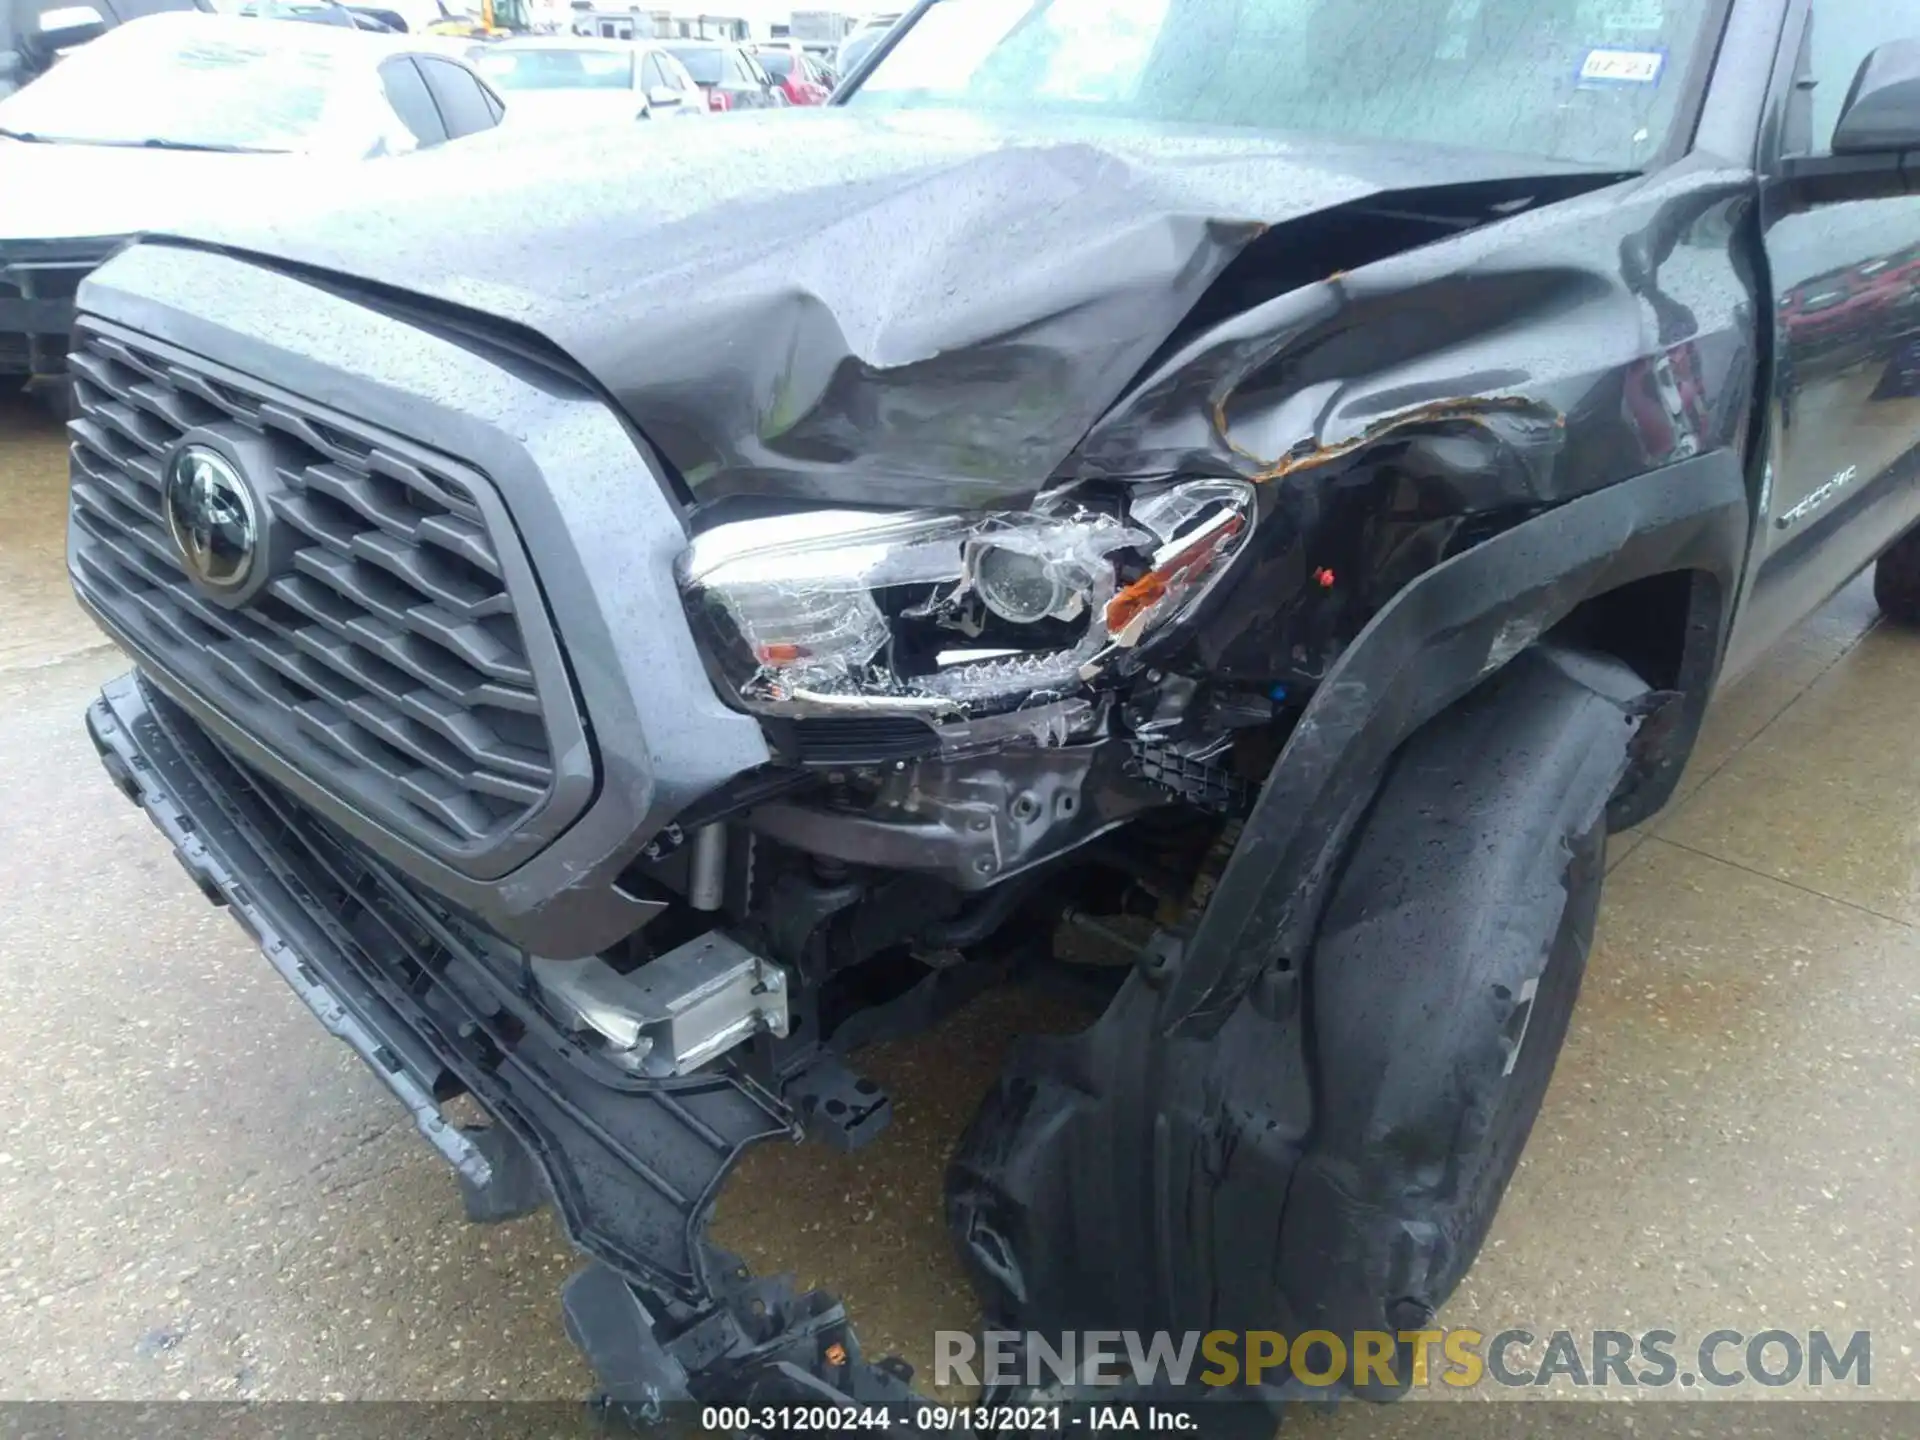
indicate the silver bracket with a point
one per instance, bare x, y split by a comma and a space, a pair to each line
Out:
677, 1011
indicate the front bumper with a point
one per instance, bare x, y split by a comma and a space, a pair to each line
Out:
634, 1168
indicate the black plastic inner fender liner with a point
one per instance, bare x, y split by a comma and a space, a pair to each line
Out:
1442, 635
1896, 580
633, 1169
1332, 1156
1441, 984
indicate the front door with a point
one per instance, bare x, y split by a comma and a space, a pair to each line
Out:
1844, 463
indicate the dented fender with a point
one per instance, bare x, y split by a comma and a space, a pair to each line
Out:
1443, 635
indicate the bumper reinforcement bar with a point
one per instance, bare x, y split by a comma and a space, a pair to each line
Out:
633, 1166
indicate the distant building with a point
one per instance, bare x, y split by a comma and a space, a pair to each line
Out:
637, 24
815, 27
806, 27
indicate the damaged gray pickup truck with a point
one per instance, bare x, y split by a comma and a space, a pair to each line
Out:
628, 620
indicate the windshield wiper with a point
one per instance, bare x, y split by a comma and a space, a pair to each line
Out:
153, 142
157, 142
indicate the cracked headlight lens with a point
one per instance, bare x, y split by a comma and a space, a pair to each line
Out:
1024, 586
830, 611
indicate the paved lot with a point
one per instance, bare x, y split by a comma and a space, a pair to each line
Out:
208, 1198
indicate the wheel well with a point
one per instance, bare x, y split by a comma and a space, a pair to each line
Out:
1668, 628
1643, 624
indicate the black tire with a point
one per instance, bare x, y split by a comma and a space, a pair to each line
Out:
1896, 580
1332, 1157
1441, 987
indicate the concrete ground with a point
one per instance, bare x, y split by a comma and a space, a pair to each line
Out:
209, 1198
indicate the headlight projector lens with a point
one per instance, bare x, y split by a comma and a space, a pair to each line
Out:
1019, 586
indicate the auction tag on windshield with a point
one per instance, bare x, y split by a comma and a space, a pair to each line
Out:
1618, 16
1622, 67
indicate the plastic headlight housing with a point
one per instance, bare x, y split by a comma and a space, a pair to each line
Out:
830, 611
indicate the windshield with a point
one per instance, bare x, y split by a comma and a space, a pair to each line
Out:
776, 63
152, 82
556, 69
316, 13
1589, 81
703, 65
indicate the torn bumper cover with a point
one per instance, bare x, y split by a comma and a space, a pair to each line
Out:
633, 1168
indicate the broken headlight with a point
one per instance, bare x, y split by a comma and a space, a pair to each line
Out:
837, 610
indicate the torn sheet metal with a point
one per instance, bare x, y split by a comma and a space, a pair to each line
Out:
1409, 408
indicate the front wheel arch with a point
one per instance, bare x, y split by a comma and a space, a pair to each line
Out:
1331, 1156
1440, 638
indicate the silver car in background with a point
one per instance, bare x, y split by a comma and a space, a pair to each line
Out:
169, 115
566, 80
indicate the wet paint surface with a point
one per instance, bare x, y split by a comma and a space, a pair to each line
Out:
900, 309
1407, 351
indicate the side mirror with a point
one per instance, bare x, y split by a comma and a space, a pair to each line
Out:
1876, 145
1882, 110
68, 26
664, 95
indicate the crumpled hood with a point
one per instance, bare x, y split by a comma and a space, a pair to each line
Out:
85, 192
927, 308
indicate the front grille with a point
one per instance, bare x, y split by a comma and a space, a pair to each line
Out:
385, 660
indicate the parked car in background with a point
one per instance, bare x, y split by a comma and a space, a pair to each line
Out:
381, 18
404, 17
573, 80
33, 33
728, 75
177, 113
822, 53
318, 12
412, 17
804, 79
